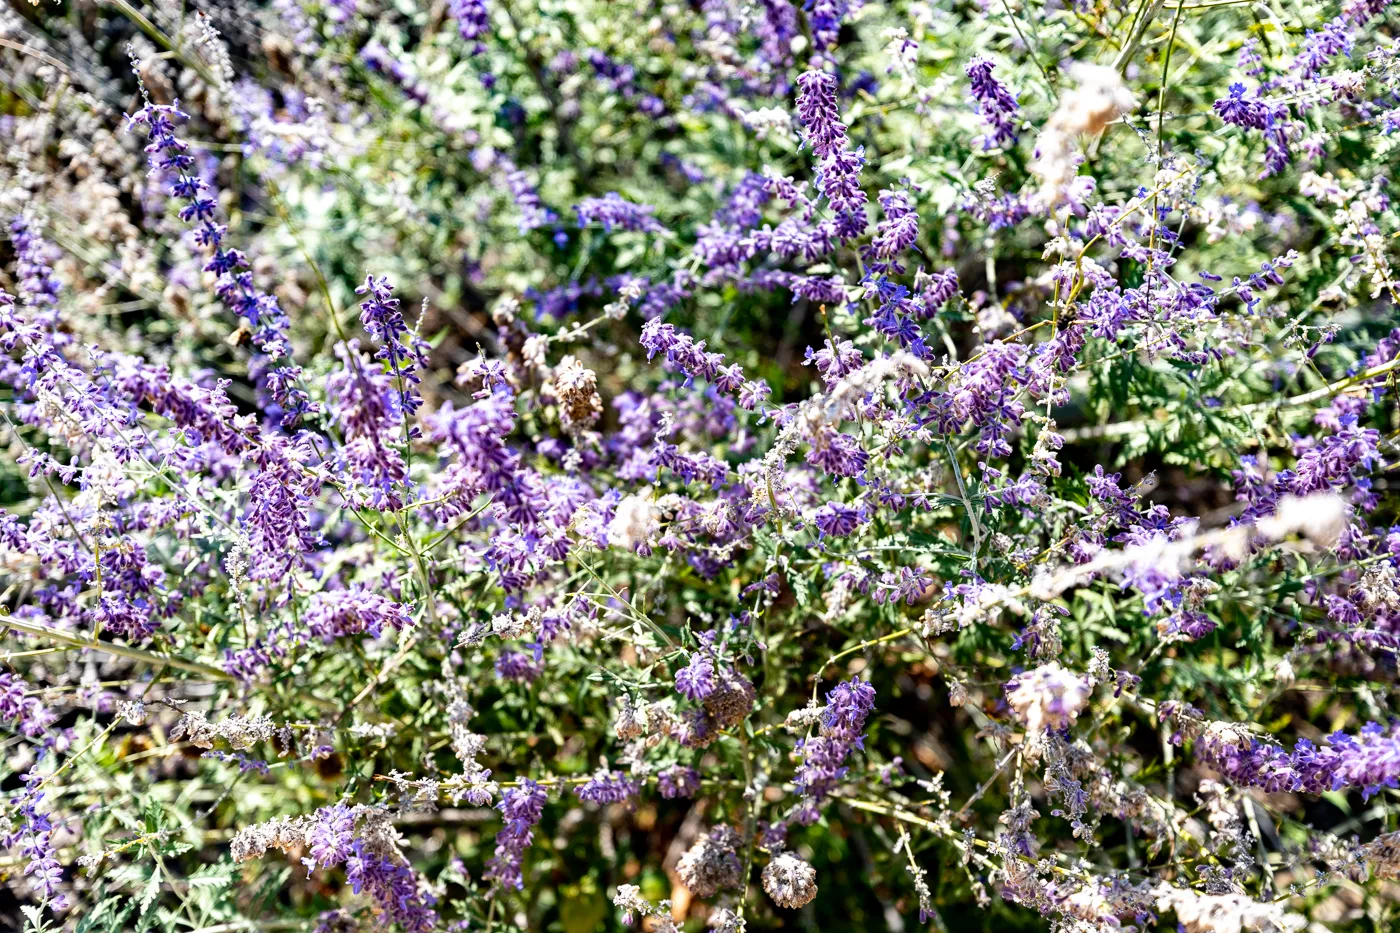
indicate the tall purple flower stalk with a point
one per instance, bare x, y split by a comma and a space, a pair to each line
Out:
838, 166
168, 157
34, 839
382, 320
521, 807
895, 234
816, 108
368, 413
612, 210
38, 286
995, 103
848, 705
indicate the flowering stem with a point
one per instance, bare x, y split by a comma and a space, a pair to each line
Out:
987, 785
1034, 56
122, 651
855, 649
149, 28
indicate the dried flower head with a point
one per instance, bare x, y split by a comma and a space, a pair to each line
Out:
789, 881
712, 862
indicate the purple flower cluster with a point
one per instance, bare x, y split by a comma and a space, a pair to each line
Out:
368, 409
1322, 46
838, 166
689, 356
533, 213
986, 397
34, 838
696, 680
1339, 461
473, 21
824, 756
336, 614
331, 837
1367, 761
612, 210
678, 781
608, 787
895, 234
384, 876
20, 710
824, 18
38, 286
382, 320
521, 808
1269, 117
995, 103
169, 156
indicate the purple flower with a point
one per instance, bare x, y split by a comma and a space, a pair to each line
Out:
689, 356
120, 614
611, 210
696, 680
473, 20
896, 233
518, 666
336, 614
995, 103
533, 213
394, 887
848, 705
607, 787
1367, 761
381, 319
678, 781
169, 157
34, 838
830, 291
21, 711
838, 177
331, 838
1321, 47
816, 108
521, 808
278, 520
369, 412
38, 287
835, 361
825, 16
837, 520
381, 61
1239, 110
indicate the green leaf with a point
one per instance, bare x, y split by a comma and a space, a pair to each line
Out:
151, 892
34, 915
801, 589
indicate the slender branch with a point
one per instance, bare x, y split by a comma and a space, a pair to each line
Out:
121, 651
